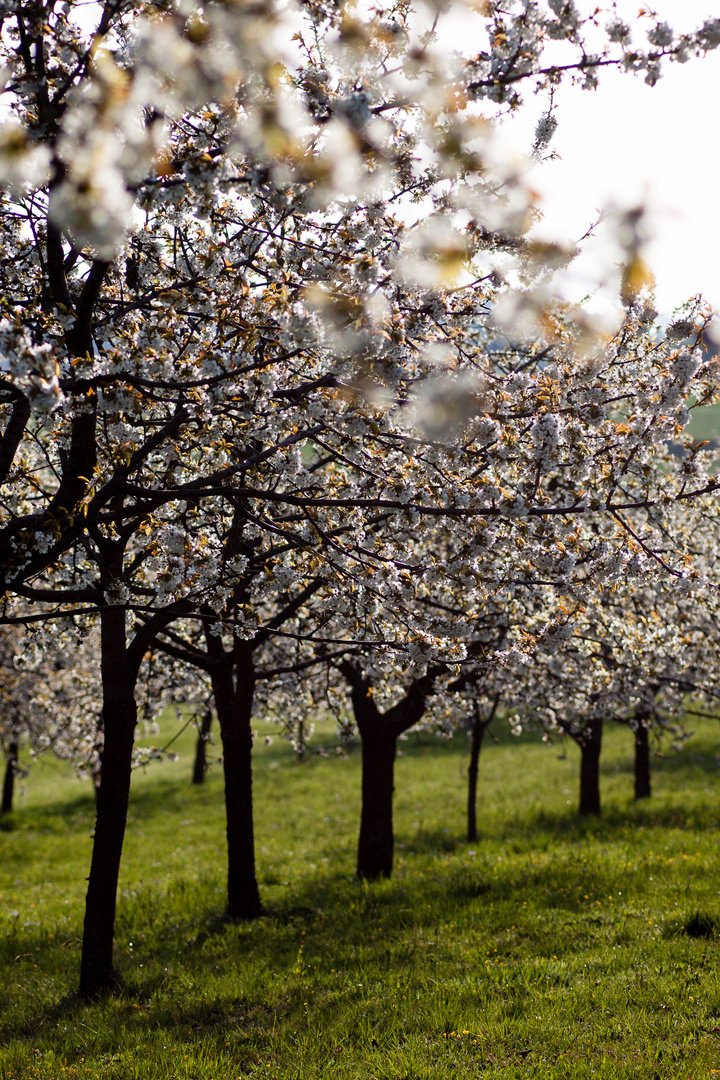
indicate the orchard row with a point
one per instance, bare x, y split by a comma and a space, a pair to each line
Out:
291, 405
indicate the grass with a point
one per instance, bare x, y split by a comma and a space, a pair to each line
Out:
554, 947
705, 423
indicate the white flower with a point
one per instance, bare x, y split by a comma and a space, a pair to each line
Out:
92, 204
709, 34
546, 128
619, 31
23, 164
661, 35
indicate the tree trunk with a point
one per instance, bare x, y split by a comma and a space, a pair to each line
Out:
200, 766
479, 727
376, 842
97, 972
301, 745
379, 733
234, 709
11, 763
590, 746
478, 731
642, 761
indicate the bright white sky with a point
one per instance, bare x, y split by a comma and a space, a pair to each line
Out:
628, 143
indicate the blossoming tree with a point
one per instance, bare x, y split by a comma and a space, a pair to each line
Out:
251, 298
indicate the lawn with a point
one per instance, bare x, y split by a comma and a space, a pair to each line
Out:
551, 948
705, 423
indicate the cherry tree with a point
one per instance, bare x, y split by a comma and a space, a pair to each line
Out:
49, 694
226, 650
253, 289
14, 711
642, 652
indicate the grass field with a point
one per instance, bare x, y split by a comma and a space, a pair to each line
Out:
705, 423
552, 948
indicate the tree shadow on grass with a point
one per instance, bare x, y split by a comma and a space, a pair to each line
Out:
618, 820
675, 763
47, 817
68, 1007
431, 842
218, 1022
328, 919
124, 1009
165, 795
331, 911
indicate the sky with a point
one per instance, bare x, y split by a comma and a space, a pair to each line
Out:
628, 144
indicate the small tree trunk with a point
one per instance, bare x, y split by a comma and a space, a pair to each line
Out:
379, 733
642, 761
234, 709
478, 731
200, 766
11, 764
301, 745
479, 727
376, 843
590, 746
97, 973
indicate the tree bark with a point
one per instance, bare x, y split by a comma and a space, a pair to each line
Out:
11, 763
479, 727
478, 732
97, 972
234, 705
376, 843
642, 760
379, 733
200, 766
590, 746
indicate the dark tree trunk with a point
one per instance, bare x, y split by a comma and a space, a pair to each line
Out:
590, 746
11, 764
200, 766
376, 843
642, 760
97, 972
479, 727
234, 704
478, 732
379, 733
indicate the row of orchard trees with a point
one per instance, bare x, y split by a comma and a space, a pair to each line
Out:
638, 659
266, 406
635, 659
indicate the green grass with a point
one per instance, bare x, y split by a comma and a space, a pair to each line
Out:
705, 423
552, 948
